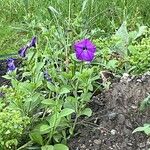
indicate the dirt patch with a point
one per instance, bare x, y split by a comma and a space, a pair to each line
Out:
115, 115
3, 69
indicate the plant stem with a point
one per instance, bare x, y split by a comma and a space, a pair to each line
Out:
25, 145
74, 124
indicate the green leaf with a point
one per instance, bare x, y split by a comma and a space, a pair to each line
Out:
86, 96
60, 147
54, 120
95, 78
7, 76
122, 34
71, 102
66, 112
44, 129
57, 137
84, 5
36, 137
53, 10
47, 147
64, 90
87, 112
51, 87
142, 30
145, 129
49, 102
39, 66
145, 103
112, 64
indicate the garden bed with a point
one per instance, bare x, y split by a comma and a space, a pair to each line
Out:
115, 115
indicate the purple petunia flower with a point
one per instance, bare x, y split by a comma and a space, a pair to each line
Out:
10, 65
22, 51
33, 42
85, 50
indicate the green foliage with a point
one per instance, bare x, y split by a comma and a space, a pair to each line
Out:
145, 103
21, 19
12, 125
140, 56
54, 107
145, 129
55, 147
51, 105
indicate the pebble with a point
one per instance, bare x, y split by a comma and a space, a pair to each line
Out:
113, 132
97, 141
128, 124
83, 146
139, 80
121, 119
129, 144
112, 115
148, 141
134, 107
141, 145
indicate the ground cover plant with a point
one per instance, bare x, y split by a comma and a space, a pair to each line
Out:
58, 59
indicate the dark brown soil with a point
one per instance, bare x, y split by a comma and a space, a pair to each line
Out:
115, 115
3, 69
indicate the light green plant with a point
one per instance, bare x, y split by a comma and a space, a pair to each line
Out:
12, 126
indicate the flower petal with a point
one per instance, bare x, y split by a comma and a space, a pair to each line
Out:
80, 44
79, 52
10, 65
33, 42
22, 51
87, 56
90, 46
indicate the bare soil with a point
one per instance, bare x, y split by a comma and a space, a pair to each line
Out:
115, 115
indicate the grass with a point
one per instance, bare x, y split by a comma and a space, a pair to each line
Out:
21, 19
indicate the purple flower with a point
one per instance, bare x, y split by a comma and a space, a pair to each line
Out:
47, 76
33, 42
85, 50
10, 65
22, 51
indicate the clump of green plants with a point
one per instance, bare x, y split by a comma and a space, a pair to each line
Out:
140, 56
12, 125
52, 89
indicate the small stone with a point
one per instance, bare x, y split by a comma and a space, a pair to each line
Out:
129, 144
139, 80
134, 107
97, 141
121, 119
148, 141
141, 145
125, 77
112, 115
83, 146
128, 124
113, 132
